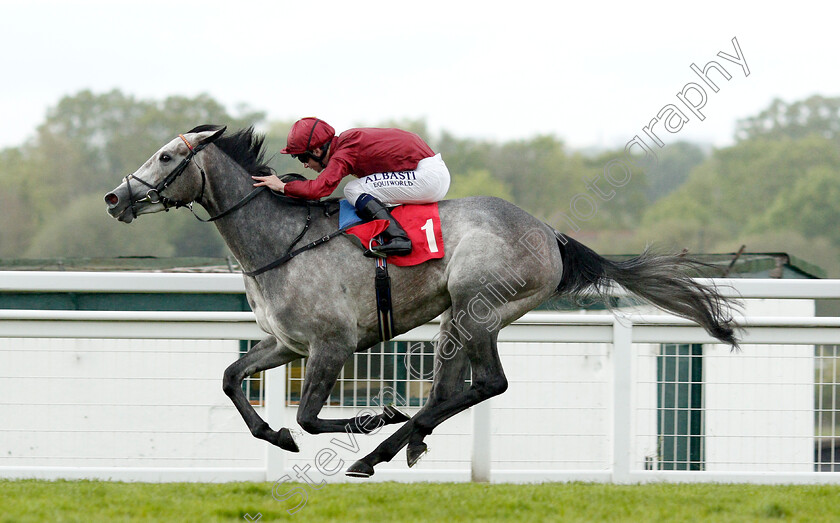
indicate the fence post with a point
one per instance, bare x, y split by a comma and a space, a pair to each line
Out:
622, 400
275, 416
480, 466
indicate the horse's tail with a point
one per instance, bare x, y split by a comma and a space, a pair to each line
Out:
658, 279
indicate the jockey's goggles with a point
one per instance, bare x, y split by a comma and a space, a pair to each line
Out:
303, 157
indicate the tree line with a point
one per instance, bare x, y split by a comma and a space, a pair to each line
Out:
775, 189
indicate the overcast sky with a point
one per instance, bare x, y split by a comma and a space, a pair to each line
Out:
590, 73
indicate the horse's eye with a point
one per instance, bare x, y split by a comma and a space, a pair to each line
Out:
165, 157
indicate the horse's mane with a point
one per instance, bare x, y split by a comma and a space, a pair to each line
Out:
291, 177
244, 147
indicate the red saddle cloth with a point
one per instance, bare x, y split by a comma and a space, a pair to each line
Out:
422, 224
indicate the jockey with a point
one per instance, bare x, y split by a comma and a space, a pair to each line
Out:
392, 166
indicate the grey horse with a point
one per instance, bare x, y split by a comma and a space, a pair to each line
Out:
500, 262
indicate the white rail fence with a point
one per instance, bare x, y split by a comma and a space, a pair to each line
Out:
137, 396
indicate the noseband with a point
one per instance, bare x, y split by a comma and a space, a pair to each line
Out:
153, 195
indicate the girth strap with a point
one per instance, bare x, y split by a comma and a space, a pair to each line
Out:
384, 310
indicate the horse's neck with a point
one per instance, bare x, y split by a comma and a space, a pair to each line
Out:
257, 233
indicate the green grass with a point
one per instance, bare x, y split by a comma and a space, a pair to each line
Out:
30, 500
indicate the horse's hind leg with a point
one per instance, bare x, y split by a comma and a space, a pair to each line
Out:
488, 380
267, 354
450, 378
491, 283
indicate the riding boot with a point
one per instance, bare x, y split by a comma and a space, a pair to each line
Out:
396, 242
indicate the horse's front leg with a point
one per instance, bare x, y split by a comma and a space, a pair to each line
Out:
322, 369
267, 354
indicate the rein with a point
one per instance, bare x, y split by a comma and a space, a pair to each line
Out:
292, 253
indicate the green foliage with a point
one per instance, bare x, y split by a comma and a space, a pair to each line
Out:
88, 140
542, 177
51, 202
84, 230
756, 187
627, 203
537, 170
675, 162
810, 206
461, 155
275, 140
22, 200
817, 115
776, 189
477, 182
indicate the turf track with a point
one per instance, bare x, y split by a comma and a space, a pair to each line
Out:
31, 500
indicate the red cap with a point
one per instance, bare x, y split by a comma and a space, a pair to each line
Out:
308, 134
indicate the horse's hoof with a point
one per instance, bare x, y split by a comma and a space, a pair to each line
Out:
414, 452
393, 415
360, 469
286, 440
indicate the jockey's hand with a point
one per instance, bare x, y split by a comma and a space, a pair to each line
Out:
270, 181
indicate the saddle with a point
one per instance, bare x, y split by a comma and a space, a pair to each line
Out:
421, 223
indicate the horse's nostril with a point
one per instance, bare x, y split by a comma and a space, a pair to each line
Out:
112, 199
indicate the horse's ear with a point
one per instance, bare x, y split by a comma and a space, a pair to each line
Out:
207, 137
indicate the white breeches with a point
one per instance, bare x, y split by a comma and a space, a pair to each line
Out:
428, 183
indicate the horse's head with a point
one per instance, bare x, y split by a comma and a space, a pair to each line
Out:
170, 178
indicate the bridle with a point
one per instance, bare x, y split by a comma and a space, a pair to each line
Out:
154, 196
